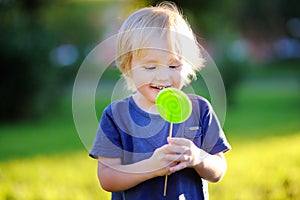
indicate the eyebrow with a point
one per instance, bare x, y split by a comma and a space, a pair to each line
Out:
171, 61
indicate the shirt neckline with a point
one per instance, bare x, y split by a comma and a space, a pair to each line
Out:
141, 111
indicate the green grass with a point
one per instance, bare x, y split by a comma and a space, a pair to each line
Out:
45, 159
263, 169
264, 109
67, 176
26, 139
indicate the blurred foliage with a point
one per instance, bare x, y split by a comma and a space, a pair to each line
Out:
34, 31
25, 44
31, 79
227, 18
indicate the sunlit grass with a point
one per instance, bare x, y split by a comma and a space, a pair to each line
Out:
262, 169
47, 136
69, 176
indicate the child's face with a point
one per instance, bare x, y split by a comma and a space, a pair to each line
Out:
154, 70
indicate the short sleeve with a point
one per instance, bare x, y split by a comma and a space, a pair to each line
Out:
107, 142
214, 139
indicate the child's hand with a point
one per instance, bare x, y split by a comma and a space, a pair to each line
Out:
177, 155
161, 162
185, 152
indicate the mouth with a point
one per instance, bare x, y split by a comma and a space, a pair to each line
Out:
159, 87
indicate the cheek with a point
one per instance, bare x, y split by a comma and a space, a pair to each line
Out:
178, 79
140, 78
177, 75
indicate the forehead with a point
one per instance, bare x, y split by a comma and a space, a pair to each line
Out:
154, 38
157, 56
155, 48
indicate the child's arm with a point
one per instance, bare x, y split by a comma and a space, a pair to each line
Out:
213, 167
209, 167
114, 176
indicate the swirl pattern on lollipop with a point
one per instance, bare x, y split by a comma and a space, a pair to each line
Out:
173, 105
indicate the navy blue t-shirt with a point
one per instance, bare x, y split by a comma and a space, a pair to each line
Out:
129, 133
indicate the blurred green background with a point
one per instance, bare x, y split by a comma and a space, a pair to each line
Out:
255, 44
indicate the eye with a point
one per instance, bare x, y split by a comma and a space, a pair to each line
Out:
174, 66
149, 67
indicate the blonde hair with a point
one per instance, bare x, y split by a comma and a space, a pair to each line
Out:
166, 22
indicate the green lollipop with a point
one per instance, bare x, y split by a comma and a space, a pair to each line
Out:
173, 105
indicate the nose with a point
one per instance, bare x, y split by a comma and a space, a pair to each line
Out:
162, 74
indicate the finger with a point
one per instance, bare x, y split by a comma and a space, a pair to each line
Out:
179, 141
178, 167
175, 149
178, 157
166, 149
173, 157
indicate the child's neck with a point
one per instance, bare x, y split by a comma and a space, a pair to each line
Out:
145, 105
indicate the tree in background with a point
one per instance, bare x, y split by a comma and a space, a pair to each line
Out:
26, 74
43, 43
35, 32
